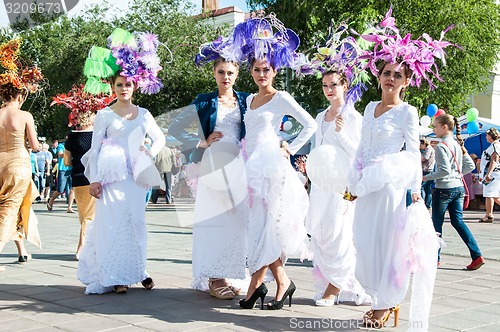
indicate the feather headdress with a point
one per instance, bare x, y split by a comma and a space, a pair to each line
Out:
80, 102
418, 54
340, 53
133, 55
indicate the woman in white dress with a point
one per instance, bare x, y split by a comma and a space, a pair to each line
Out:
219, 225
490, 171
120, 171
278, 200
387, 126
391, 243
114, 255
330, 217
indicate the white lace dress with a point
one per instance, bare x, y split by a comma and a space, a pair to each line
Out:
116, 241
219, 229
330, 217
277, 199
392, 241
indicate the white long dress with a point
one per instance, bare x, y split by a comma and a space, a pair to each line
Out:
277, 199
116, 241
330, 217
219, 229
492, 189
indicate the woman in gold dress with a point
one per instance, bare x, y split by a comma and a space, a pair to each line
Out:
16, 188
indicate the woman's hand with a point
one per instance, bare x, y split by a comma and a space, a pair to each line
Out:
213, 137
488, 178
145, 149
95, 189
415, 197
339, 122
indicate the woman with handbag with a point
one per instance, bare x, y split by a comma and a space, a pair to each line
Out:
452, 161
120, 171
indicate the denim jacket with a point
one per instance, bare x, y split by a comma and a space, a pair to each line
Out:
203, 111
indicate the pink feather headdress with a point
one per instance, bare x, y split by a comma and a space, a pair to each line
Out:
419, 54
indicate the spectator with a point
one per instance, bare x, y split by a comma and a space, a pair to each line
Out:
165, 161
428, 161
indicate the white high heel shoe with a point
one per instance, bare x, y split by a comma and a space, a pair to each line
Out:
327, 303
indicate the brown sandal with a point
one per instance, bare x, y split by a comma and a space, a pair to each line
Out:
120, 289
487, 219
370, 321
222, 293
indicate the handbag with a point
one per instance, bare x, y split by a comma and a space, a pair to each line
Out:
174, 169
466, 197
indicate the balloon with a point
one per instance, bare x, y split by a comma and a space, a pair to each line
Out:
472, 114
431, 110
328, 168
287, 125
439, 112
472, 127
425, 121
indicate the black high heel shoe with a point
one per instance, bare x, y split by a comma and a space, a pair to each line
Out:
259, 293
276, 305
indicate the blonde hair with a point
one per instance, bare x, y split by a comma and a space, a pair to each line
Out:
451, 122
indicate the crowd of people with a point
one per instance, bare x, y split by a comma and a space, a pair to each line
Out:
252, 212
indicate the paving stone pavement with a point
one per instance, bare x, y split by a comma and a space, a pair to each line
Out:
45, 295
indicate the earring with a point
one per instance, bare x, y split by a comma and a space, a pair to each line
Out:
379, 85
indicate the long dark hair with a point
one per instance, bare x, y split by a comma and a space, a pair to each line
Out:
406, 70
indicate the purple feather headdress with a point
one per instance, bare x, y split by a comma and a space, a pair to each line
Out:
137, 56
342, 54
255, 39
419, 55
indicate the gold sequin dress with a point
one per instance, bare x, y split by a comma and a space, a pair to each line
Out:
15, 183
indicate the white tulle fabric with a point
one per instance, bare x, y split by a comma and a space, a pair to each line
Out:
219, 229
330, 218
115, 247
277, 199
382, 173
416, 246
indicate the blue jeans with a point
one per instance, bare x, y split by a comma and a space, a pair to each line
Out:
426, 191
453, 200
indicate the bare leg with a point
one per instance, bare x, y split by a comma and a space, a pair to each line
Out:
497, 201
330, 292
489, 206
21, 249
81, 241
52, 199
71, 199
256, 281
282, 280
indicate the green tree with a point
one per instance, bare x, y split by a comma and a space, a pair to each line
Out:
468, 69
60, 48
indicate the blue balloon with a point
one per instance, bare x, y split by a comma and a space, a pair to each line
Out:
472, 127
431, 110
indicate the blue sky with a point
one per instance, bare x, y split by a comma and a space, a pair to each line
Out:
123, 4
